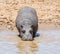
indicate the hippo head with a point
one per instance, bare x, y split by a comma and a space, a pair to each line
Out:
26, 32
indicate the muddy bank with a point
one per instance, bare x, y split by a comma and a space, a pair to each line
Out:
47, 11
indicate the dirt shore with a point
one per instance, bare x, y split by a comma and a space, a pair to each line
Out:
48, 12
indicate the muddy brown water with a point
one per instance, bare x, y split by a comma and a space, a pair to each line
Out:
47, 43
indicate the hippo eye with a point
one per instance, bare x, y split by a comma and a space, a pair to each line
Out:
31, 31
23, 31
32, 26
21, 26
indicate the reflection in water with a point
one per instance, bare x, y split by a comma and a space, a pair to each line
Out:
10, 43
27, 47
47, 42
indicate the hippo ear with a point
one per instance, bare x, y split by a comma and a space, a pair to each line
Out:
21, 26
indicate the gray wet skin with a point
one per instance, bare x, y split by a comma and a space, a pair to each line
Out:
27, 23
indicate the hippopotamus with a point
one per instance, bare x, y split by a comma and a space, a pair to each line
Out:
27, 23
